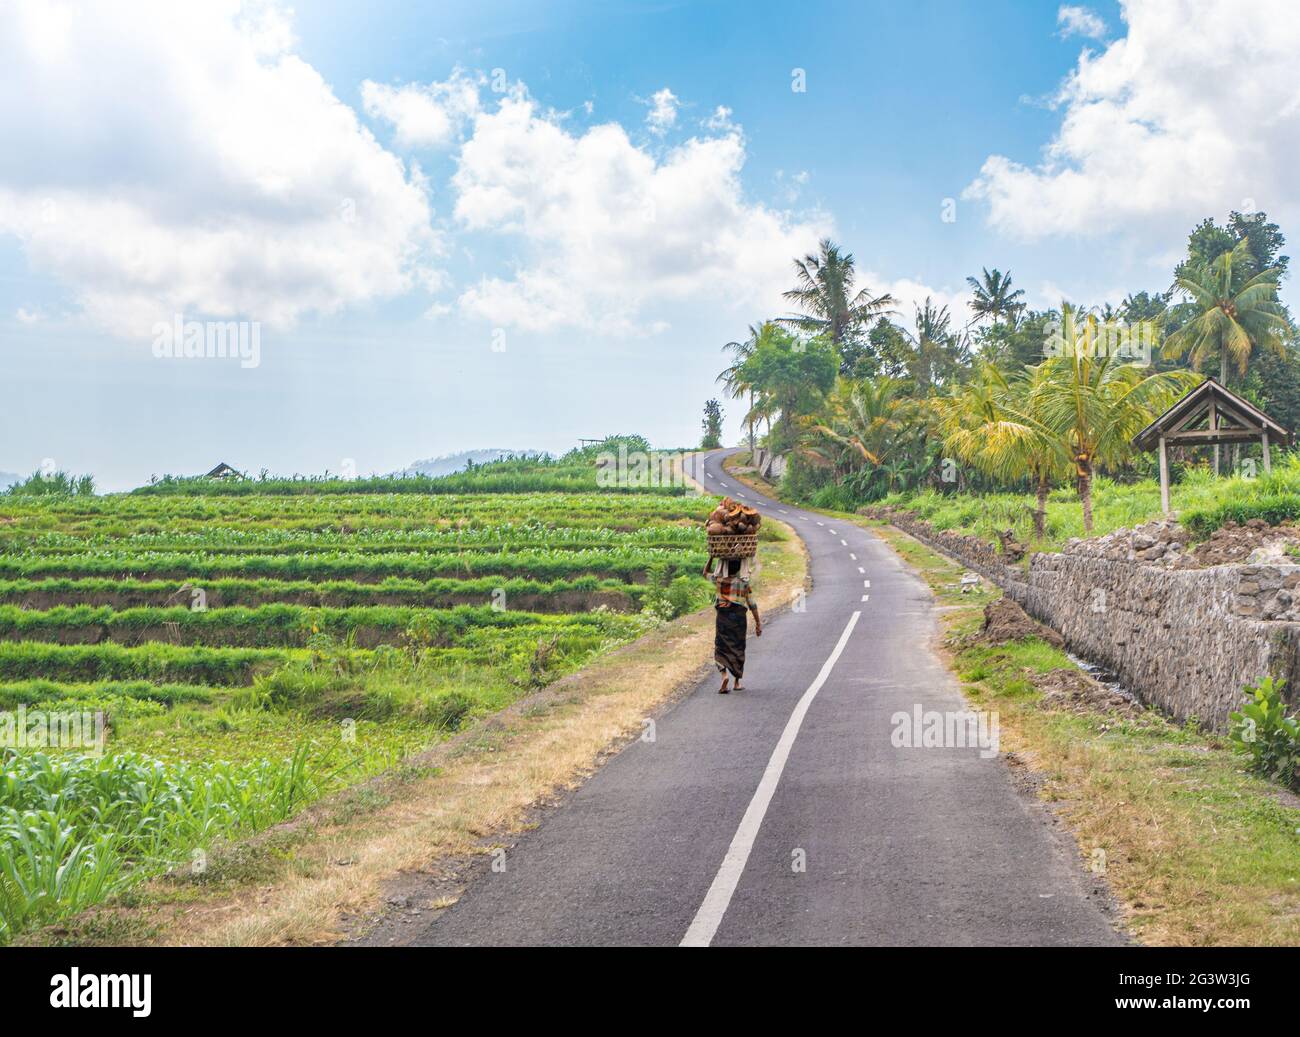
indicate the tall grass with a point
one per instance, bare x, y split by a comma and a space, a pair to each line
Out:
75, 830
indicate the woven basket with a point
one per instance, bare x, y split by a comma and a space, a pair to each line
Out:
733, 545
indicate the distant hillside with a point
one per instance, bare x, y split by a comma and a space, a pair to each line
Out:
449, 463
8, 479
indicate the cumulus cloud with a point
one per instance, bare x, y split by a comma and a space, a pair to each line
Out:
179, 158
26, 316
910, 294
611, 234
663, 111
1195, 111
424, 115
1079, 21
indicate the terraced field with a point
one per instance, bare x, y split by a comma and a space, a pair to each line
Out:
248, 652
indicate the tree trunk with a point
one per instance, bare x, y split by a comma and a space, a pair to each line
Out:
1040, 512
752, 448
1085, 495
1223, 366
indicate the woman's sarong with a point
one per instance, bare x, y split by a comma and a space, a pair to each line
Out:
729, 639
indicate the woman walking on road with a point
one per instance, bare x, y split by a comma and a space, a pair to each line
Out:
732, 601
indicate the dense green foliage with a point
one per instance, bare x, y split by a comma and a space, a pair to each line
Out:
1015, 400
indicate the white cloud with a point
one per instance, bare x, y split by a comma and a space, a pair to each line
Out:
663, 111
1195, 111
910, 294
177, 158
26, 316
613, 235
424, 116
1080, 21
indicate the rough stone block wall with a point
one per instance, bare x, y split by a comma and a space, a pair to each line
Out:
1183, 640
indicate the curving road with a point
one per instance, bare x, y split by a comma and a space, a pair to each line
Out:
783, 815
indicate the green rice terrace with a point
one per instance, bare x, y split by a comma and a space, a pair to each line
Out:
254, 644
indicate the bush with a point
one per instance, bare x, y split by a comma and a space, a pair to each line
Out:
669, 595
1273, 509
835, 497
448, 711
1264, 731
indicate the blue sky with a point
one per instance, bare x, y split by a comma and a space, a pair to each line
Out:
517, 224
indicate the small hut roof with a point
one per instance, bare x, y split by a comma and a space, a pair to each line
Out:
1244, 419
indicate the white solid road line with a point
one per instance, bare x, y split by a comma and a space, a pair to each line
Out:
716, 900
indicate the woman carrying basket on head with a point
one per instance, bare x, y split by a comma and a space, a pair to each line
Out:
732, 602
733, 541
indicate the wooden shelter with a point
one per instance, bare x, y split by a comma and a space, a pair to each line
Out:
1209, 415
223, 471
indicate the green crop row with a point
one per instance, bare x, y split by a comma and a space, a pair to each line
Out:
485, 538
157, 663
620, 563
571, 595
281, 625
118, 516
44, 692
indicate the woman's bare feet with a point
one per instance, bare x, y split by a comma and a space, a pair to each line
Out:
739, 686
726, 680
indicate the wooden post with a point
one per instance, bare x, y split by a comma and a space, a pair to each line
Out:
1214, 426
1267, 466
1164, 477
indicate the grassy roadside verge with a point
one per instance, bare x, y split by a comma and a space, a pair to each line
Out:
738, 467
1198, 851
300, 882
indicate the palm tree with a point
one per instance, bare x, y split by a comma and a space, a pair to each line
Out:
1094, 404
823, 290
993, 296
733, 378
938, 353
870, 415
1234, 320
992, 425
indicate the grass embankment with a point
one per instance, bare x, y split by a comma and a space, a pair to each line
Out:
1198, 851
302, 881
1202, 502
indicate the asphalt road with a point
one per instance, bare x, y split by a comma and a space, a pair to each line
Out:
783, 814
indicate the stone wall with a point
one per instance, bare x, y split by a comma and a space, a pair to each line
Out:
1183, 640
770, 466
